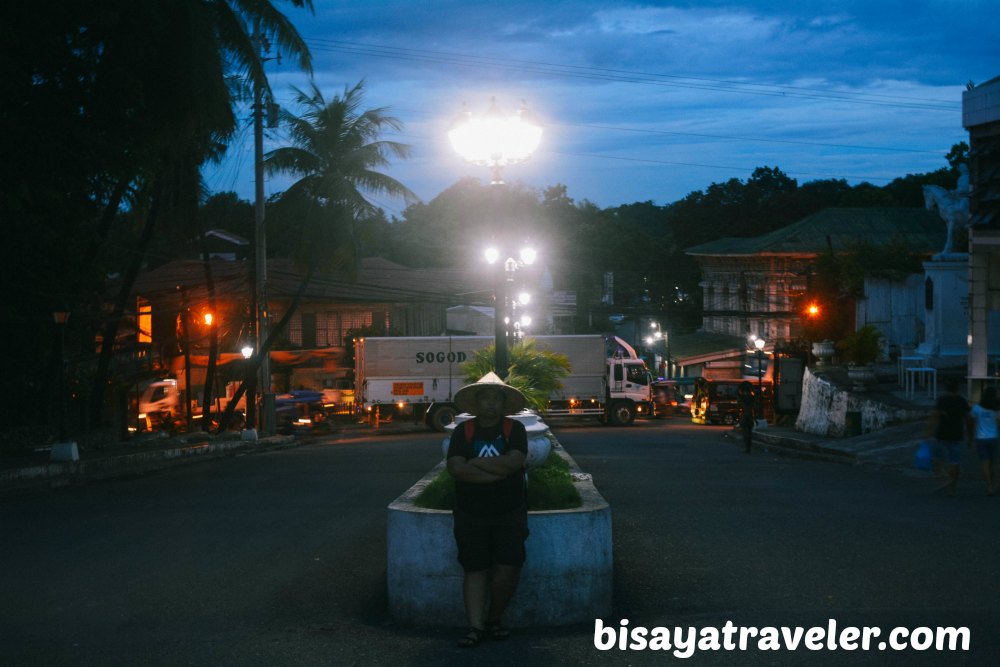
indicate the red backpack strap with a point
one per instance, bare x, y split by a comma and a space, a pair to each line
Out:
506, 428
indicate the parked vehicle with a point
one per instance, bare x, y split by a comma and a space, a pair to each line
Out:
161, 405
672, 398
299, 410
417, 377
722, 407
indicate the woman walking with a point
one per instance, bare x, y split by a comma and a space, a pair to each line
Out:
950, 423
984, 414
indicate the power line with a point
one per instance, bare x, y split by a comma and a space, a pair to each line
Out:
716, 166
759, 139
625, 76
702, 135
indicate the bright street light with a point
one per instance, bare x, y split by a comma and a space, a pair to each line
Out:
495, 139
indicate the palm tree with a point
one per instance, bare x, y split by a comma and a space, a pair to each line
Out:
182, 61
534, 371
336, 152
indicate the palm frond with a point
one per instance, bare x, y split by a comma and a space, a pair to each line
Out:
535, 372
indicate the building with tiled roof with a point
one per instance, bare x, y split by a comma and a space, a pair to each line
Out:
752, 285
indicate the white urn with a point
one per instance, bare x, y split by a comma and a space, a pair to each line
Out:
823, 350
539, 444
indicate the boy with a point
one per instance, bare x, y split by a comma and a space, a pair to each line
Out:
487, 461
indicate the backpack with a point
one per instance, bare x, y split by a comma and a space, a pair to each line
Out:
506, 426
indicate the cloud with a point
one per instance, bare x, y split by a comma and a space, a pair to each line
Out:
651, 100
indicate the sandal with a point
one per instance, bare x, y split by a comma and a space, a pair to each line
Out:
497, 631
471, 638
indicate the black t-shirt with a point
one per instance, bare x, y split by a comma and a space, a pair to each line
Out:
495, 498
951, 423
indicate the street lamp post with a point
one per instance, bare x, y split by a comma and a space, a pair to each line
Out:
501, 312
250, 417
497, 140
655, 337
759, 343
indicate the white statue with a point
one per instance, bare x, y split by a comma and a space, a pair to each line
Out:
952, 205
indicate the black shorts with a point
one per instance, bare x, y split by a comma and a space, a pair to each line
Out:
487, 541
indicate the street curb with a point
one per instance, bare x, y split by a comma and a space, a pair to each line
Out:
59, 474
805, 449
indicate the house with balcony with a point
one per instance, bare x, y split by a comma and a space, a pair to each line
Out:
754, 287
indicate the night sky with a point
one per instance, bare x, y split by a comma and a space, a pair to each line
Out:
651, 101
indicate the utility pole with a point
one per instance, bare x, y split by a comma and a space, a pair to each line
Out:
267, 415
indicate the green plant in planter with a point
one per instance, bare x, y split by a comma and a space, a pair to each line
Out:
535, 372
550, 487
863, 347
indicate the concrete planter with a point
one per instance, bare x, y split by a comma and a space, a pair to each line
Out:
825, 409
567, 577
861, 376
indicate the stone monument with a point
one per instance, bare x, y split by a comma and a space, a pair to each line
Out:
946, 283
953, 207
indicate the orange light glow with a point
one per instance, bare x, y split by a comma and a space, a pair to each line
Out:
812, 310
208, 319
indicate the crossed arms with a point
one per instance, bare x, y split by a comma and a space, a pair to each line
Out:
483, 470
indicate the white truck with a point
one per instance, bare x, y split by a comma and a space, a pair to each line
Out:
417, 377
162, 404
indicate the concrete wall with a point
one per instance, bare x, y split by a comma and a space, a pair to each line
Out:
825, 406
567, 577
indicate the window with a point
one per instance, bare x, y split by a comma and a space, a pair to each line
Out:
637, 374
352, 320
145, 321
308, 330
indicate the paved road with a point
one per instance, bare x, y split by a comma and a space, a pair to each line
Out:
279, 558
705, 533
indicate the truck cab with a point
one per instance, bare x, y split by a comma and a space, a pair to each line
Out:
629, 390
159, 404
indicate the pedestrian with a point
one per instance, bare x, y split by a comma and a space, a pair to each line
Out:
746, 401
984, 415
699, 401
948, 425
487, 461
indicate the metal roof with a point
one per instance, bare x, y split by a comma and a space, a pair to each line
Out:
693, 347
922, 229
377, 280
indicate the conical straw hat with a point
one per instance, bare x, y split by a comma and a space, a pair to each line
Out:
465, 398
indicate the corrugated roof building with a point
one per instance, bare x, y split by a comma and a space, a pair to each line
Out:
752, 286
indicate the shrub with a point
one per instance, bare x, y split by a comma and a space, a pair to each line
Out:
535, 372
862, 347
550, 487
